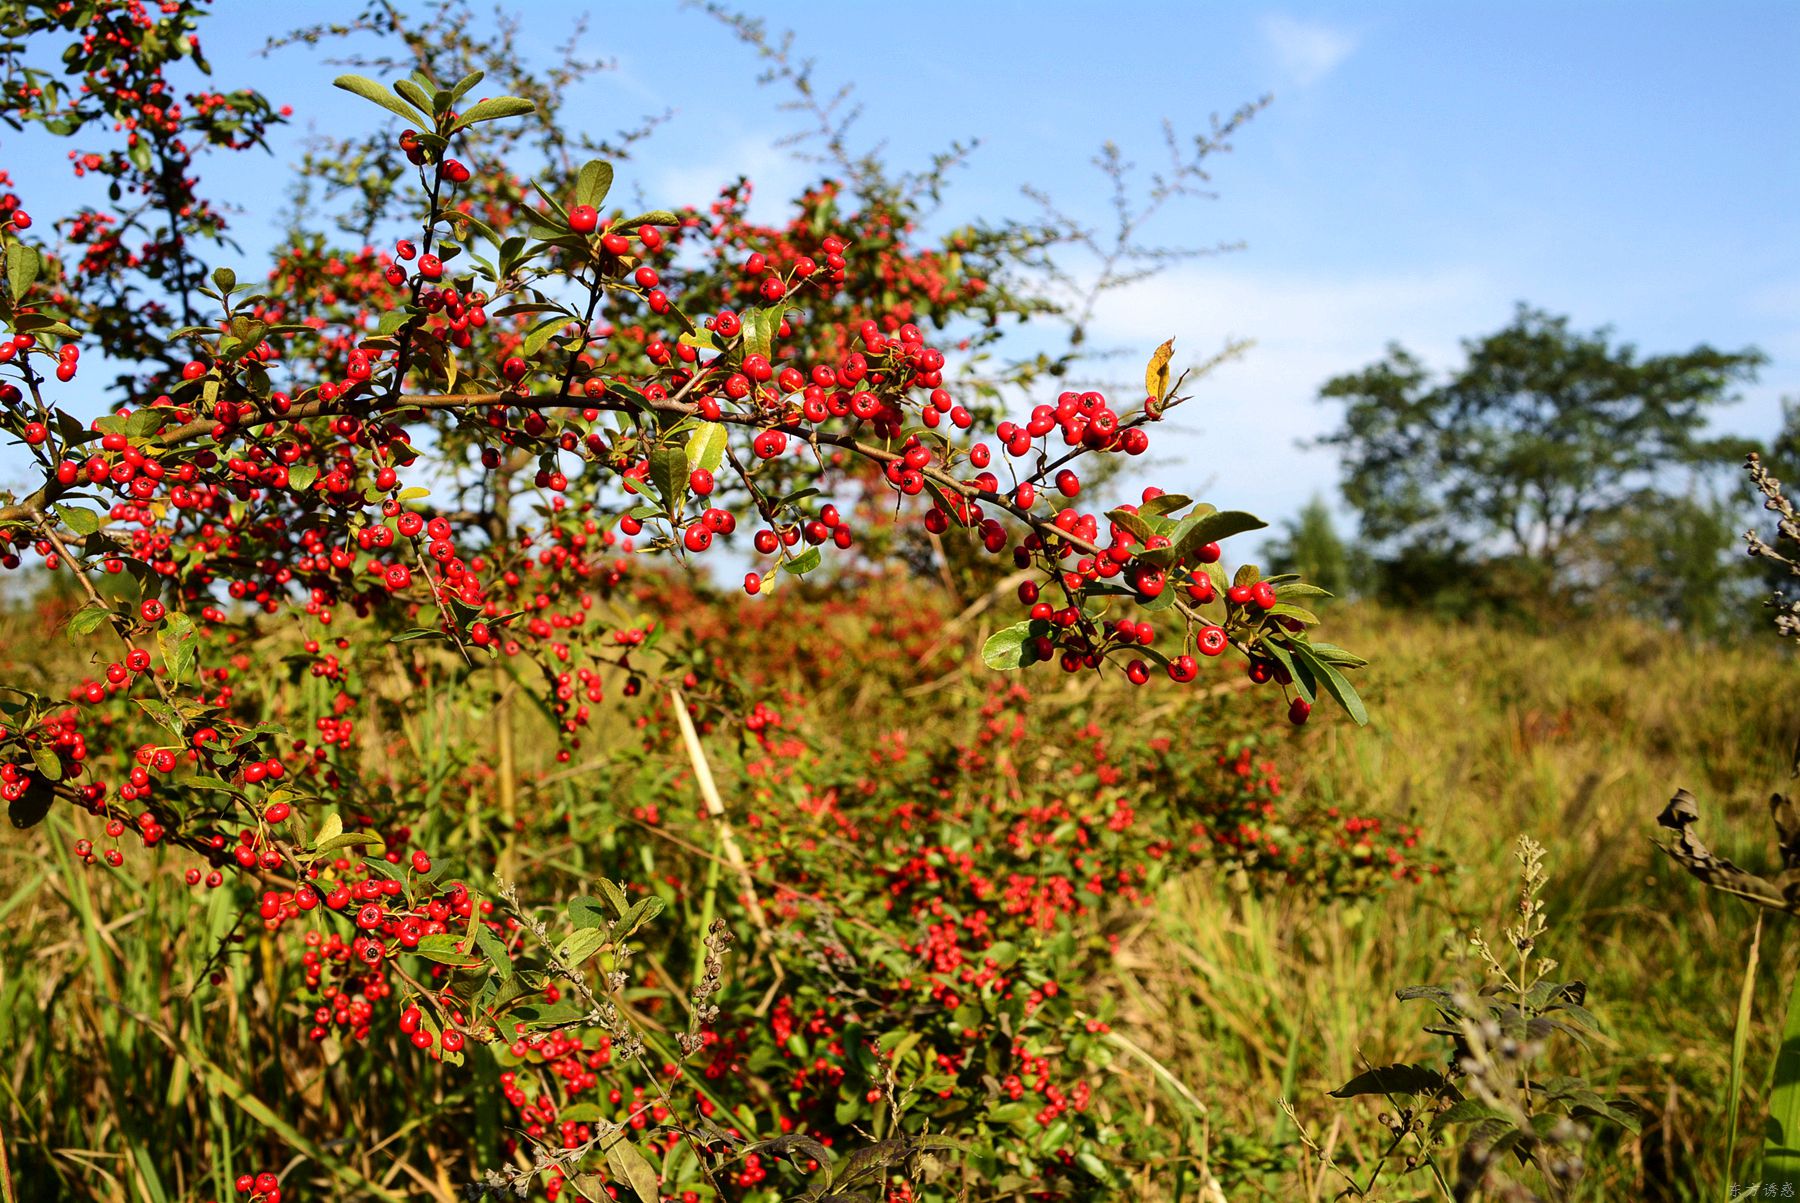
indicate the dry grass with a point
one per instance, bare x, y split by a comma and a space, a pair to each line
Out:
1576, 738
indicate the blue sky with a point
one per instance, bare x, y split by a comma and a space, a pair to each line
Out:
1422, 167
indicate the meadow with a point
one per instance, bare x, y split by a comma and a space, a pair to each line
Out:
1228, 987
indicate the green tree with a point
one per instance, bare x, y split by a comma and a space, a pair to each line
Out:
1540, 440
1674, 559
1312, 547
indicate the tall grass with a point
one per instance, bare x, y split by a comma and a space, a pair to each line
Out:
1576, 738
114, 1048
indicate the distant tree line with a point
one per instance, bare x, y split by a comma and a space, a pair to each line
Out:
1551, 473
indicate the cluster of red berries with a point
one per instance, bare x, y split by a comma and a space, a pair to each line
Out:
259, 1188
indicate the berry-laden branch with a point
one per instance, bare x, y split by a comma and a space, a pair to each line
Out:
470, 453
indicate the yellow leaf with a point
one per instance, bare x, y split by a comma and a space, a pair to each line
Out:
1156, 375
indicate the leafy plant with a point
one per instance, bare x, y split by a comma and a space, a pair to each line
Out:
400, 793
1486, 1122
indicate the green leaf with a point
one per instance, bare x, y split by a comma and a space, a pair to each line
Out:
759, 330
391, 321
1139, 528
368, 89
669, 473
562, 1012
146, 422
302, 476
49, 764
1392, 1079
1167, 503
1331, 653
204, 781
579, 945
494, 949
224, 279
1781, 1135
642, 912
586, 912
1299, 614
86, 621
1464, 1111
82, 522
656, 217
494, 108
580, 1113
164, 714
626, 1164
330, 827
594, 182
1221, 524
706, 446
348, 839
615, 896
37, 323
179, 644
1010, 647
1335, 683
803, 563
540, 334
1303, 684
443, 949
22, 266
415, 96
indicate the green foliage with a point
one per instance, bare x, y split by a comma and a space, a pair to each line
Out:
1532, 449
1674, 559
1311, 547
1490, 1110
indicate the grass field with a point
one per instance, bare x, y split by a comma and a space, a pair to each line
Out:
1576, 738
1243, 998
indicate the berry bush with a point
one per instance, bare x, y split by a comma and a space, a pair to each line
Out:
475, 843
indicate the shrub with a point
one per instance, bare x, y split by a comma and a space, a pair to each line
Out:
341, 527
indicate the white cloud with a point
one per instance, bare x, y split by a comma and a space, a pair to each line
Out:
1306, 51
776, 176
1236, 440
